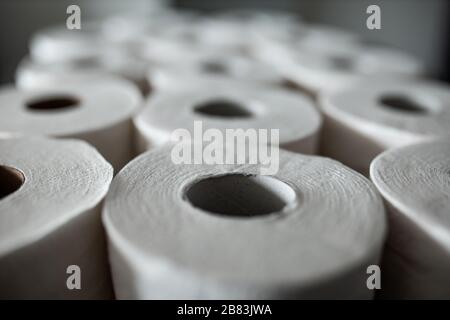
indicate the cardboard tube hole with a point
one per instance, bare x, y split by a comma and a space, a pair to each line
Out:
402, 103
223, 108
10, 180
214, 67
52, 103
237, 195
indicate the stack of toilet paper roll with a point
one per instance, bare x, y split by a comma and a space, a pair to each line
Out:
185, 231
379, 114
98, 112
415, 182
221, 104
222, 231
50, 226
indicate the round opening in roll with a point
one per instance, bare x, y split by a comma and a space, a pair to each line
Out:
10, 180
52, 103
238, 195
342, 63
404, 104
223, 109
215, 67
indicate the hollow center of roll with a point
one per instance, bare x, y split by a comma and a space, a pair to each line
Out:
10, 180
403, 103
214, 67
223, 108
52, 103
342, 63
238, 195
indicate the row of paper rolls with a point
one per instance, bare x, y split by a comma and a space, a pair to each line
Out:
327, 223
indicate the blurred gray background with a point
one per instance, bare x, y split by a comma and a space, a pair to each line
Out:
420, 27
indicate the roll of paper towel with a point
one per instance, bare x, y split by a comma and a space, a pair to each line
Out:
51, 239
364, 120
415, 182
217, 103
99, 113
227, 232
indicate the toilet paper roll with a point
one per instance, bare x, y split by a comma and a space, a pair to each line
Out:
133, 28
50, 198
59, 44
224, 104
31, 75
415, 182
322, 37
173, 76
226, 232
226, 35
301, 37
335, 67
166, 51
99, 113
373, 116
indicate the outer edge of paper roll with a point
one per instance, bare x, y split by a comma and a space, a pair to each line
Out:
431, 226
416, 258
24, 281
125, 260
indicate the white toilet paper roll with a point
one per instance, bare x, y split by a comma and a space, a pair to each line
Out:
415, 182
225, 232
31, 75
59, 44
50, 198
172, 76
335, 67
368, 118
34, 75
224, 104
99, 113
301, 37
133, 28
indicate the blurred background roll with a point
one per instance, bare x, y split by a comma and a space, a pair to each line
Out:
59, 44
226, 232
166, 76
376, 115
51, 191
97, 112
415, 182
225, 24
32, 74
224, 104
323, 67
